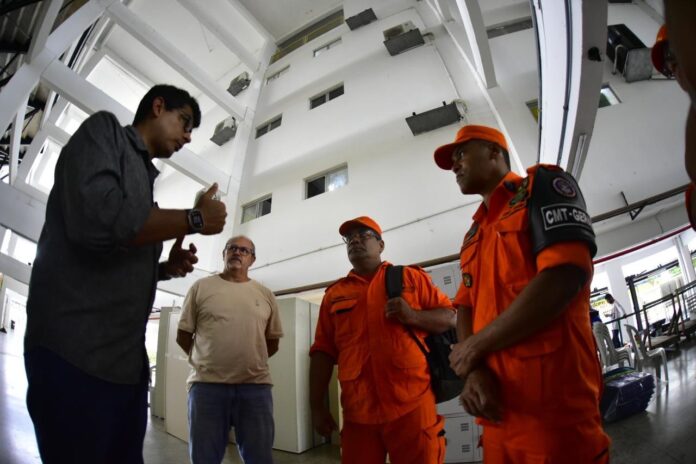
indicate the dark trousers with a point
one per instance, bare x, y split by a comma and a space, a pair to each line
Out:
615, 338
79, 418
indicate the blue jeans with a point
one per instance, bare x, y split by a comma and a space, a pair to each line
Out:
79, 418
214, 407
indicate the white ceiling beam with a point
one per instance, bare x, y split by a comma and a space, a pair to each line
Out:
153, 40
251, 19
475, 28
442, 7
17, 270
206, 16
16, 139
27, 76
571, 78
47, 17
91, 99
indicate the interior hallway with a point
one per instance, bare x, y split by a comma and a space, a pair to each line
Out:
663, 435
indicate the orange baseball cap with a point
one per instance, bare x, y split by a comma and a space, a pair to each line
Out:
443, 155
658, 51
362, 221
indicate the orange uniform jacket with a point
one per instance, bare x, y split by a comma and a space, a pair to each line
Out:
553, 378
383, 373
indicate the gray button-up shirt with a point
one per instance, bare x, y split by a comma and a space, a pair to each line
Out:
90, 292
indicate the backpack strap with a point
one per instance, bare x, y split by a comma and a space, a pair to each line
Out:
394, 280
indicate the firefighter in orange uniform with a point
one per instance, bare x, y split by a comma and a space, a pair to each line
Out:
388, 406
665, 60
526, 351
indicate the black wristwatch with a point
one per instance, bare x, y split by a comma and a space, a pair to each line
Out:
195, 220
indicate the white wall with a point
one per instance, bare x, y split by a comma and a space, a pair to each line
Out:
392, 176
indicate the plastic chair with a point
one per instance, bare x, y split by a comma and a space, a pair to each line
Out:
643, 354
608, 354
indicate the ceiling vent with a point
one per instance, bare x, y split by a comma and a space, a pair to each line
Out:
361, 19
224, 131
403, 37
239, 83
438, 117
630, 56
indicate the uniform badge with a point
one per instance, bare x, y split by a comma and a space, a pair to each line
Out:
564, 188
521, 193
467, 279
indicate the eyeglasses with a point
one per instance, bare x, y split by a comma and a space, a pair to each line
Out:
187, 121
244, 251
362, 235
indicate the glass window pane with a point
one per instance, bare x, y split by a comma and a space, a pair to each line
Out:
337, 92
316, 101
261, 130
337, 179
249, 213
265, 207
316, 187
275, 123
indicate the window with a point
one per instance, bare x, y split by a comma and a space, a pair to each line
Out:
256, 209
277, 74
326, 47
607, 97
269, 126
326, 96
326, 182
308, 34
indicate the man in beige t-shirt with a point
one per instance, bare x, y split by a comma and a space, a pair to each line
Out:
230, 326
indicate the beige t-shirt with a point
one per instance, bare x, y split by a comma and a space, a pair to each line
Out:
231, 322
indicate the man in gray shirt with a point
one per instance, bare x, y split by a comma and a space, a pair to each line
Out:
94, 279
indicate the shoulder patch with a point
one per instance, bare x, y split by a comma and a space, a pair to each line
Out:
563, 187
557, 211
522, 192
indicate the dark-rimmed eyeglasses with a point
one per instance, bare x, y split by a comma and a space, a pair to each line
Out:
361, 235
244, 251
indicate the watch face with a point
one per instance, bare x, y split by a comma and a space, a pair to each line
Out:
196, 219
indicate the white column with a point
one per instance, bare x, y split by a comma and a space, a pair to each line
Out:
685, 263
570, 77
619, 290
472, 20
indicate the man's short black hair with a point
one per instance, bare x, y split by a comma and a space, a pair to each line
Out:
173, 97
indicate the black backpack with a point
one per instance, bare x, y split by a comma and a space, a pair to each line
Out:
444, 382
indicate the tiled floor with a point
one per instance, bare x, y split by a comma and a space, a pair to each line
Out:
665, 434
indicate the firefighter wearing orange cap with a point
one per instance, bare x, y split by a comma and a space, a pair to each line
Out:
526, 350
665, 60
388, 407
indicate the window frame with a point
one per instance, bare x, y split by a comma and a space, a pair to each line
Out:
276, 75
257, 205
326, 95
327, 46
268, 126
325, 175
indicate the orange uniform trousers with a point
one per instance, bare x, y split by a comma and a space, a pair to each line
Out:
414, 438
